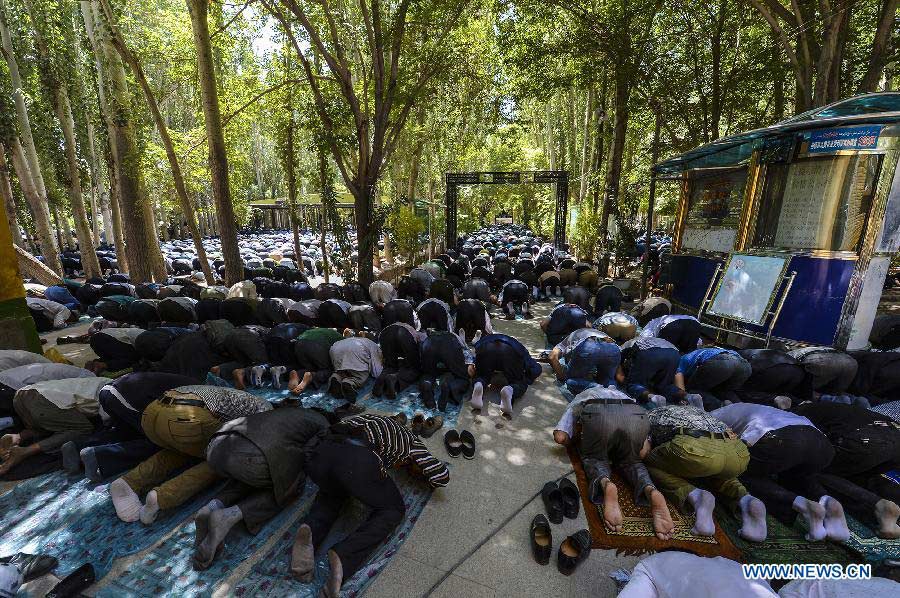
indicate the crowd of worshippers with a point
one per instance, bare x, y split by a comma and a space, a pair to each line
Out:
263, 253
767, 431
809, 432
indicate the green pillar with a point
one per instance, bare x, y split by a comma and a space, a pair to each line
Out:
17, 329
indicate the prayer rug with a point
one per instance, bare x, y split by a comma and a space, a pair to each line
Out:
637, 536
864, 541
783, 544
76, 522
270, 573
408, 401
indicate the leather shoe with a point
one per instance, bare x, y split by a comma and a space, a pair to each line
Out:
573, 551
553, 502
431, 425
74, 583
418, 421
571, 498
452, 443
541, 539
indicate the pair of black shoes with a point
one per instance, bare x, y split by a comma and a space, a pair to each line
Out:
386, 387
342, 390
460, 443
573, 551
426, 391
561, 500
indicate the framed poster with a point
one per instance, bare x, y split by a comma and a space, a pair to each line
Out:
747, 289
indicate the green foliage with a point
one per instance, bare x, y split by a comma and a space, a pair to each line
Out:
407, 229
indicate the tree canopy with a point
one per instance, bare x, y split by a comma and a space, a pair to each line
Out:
133, 122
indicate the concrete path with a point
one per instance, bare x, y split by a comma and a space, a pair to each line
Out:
472, 538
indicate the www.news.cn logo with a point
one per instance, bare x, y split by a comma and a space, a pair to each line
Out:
807, 571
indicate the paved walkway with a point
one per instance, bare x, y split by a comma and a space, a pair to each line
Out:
472, 537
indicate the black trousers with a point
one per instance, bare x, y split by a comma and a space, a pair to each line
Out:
343, 471
313, 357
784, 464
403, 377
608, 298
249, 480
116, 354
683, 333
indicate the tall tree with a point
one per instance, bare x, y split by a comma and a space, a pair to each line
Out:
188, 209
363, 46
34, 177
218, 157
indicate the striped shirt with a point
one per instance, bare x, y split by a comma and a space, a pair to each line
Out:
394, 444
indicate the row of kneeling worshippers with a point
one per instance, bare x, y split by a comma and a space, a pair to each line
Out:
809, 432
164, 438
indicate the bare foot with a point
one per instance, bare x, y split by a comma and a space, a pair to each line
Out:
238, 377
215, 370
303, 562
612, 513
887, 512
7, 442
662, 519
753, 519
16, 455
293, 380
301, 386
347, 333
335, 579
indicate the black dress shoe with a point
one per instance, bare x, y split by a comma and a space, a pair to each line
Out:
468, 444
426, 391
452, 443
334, 389
571, 498
573, 551
541, 539
378, 389
553, 502
74, 583
390, 387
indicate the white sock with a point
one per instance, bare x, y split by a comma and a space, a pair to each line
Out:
125, 500
525, 309
462, 336
477, 337
477, 394
151, 509
506, 394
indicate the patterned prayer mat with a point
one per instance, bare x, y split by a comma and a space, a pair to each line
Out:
167, 570
408, 401
783, 544
75, 521
868, 545
637, 536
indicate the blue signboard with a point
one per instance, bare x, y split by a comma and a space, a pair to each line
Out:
845, 138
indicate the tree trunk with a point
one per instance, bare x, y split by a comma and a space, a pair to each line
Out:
180, 188
778, 102
9, 202
585, 144
218, 159
89, 262
617, 152
292, 183
49, 248
40, 210
96, 200
880, 53
717, 91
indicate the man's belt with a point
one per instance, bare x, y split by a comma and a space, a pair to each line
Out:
701, 433
188, 402
663, 434
601, 401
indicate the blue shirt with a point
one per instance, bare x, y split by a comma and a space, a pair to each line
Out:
690, 361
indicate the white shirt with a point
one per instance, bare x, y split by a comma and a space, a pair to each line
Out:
80, 394
656, 324
24, 375
684, 575
11, 358
567, 421
751, 422
125, 335
59, 312
381, 291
